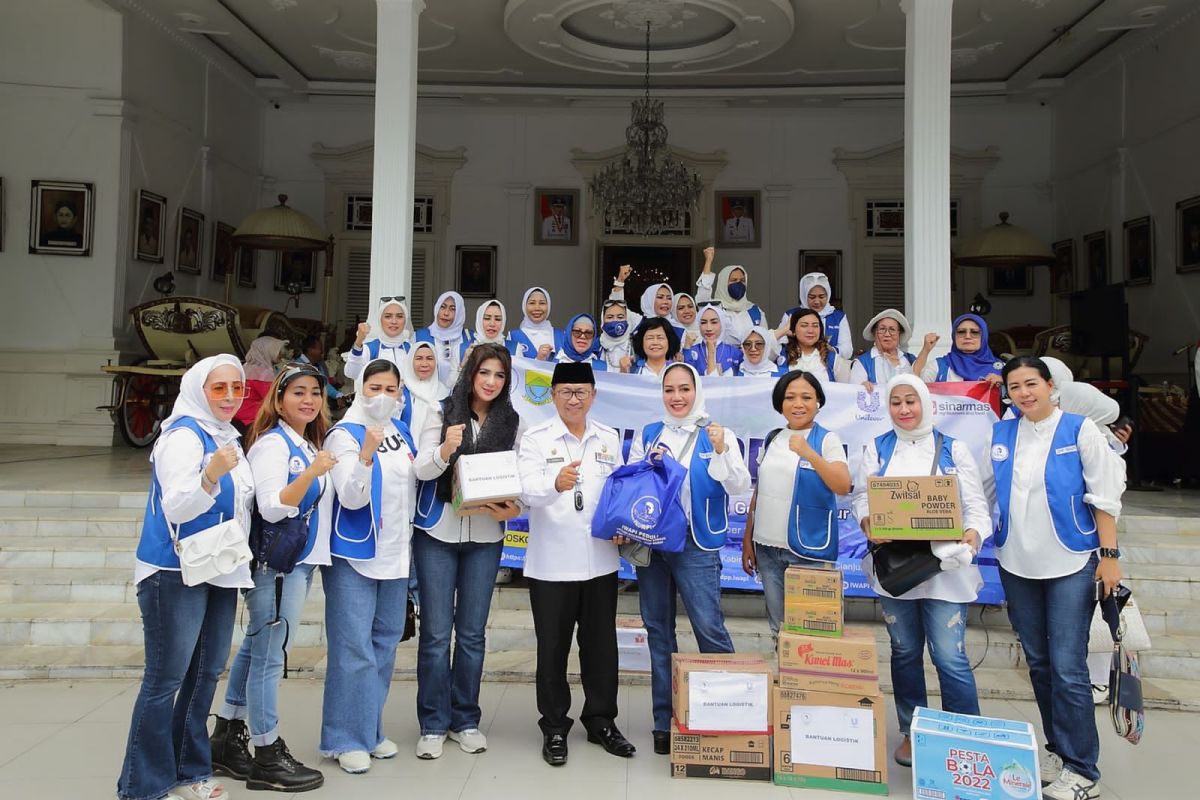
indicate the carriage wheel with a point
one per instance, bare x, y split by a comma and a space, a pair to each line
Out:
148, 400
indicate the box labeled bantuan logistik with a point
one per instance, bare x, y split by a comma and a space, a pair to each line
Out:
973, 758
830, 740
848, 664
812, 601
727, 756
721, 692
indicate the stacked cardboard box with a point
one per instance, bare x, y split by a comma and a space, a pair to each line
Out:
633, 647
827, 711
722, 708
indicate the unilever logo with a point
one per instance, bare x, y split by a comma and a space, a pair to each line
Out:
645, 512
868, 402
537, 388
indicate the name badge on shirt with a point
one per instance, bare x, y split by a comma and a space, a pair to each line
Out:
606, 458
804, 463
295, 465
707, 456
559, 460
1064, 450
950, 471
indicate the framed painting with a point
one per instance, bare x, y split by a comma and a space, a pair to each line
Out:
61, 215
1139, 251
1010, 281
189, 241
1062, 271
1095, 250
738, 219
150, 227
556, 216
475, 270
1187, 235
222, 251
296, 268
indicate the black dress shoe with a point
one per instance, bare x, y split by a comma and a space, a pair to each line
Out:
662, 743
611, 740
554, 749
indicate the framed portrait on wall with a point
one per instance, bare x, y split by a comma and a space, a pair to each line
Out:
247, 269
1062, 271
1095, 249
61, 216
1139, 251
149, 227
738, 219
1010, 281
222, 255
297, 267
828, 262
475, 270
189, 241
1187, 235
1, 215
556, 216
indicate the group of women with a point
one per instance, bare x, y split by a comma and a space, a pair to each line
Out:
373, 493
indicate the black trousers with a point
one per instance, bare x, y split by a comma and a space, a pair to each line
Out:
558, 607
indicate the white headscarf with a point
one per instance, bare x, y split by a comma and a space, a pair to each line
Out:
454, 332
648, 300
770, 354
1080, 398
925, 426
610, 342
431, 390
357, 413
721, 290
722, 320
376, 323
807, 282
544, 327
261, 357
694, 327
480, 338
698, 411
193, 402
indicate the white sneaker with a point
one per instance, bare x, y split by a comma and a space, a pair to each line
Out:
205, 790
385, 749
1070, 786
429, 746
1050, 765
355, 762
1099, 694
471, 740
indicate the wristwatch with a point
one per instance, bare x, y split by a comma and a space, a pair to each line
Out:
1110, 552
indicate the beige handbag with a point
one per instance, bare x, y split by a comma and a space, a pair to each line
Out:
1134, 636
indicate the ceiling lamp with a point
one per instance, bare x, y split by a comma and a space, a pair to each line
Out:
1003, 245
280, 228
646, 191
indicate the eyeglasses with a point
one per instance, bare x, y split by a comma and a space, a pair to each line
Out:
754, 345
892, 331
577, 394
968, 334
399, 298
581, 334
219, 391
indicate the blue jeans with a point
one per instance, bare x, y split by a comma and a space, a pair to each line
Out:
696, 574
187, 631
1052, 617
364, 620
456, 595
254, 677
772, 563
911, 624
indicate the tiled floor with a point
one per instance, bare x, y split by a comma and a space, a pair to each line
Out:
64, 741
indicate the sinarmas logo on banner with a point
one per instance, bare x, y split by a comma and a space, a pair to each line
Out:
965, 411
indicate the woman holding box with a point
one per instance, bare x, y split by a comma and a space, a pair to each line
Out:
934, 612
457, 556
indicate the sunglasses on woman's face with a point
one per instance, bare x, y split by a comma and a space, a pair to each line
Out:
222, 390
754, 345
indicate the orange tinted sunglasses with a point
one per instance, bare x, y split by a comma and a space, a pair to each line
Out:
219, 391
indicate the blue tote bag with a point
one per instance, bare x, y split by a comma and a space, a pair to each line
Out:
641, 502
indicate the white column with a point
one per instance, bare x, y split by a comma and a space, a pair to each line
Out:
780, 281
927, 169
395, 146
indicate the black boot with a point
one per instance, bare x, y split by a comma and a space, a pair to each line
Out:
230, 744
274, 768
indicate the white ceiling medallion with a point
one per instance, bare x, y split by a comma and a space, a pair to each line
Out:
689, 36
283, 5
347, 59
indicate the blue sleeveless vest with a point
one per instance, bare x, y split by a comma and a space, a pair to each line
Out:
1074, 522
521, 345
756, 314
355, 530
833, 327
710, 502
868, 363
310, 497
728, 357
885, 447
469, 342
813, 519
372, 346
155, 546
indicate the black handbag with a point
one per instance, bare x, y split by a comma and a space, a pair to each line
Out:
278, 545
411, 615
902, 566
1125, 703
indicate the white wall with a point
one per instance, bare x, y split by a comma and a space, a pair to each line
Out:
1147, 103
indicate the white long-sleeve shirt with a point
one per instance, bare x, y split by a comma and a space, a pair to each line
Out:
885, 370
728, 468
960, 585
812, 362
270, 461
178, 459
1032, 550
740, 322
561, 546
777, 480
356, 360
352, 481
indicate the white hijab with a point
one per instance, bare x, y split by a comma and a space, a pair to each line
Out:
543, 328
454, 332
431, 389
480, 338
648, 299
698, 412
695, 326
925, 427
1080, 398
770, 354
261, 357
357, 413
193, 402
722, 320
611, 342
807, 282
376, 323
721, 290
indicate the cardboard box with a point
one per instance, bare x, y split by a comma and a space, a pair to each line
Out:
721, 692
826, 740
973, 758
923, 507
633, 648
812, 601
728, 756
849, 664
485, 478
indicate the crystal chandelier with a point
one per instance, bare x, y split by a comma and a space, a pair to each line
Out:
646, 191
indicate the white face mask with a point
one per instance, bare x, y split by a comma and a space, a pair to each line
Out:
381, 408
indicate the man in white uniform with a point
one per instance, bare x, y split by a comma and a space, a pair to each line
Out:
572, 575
557, 226
739, 227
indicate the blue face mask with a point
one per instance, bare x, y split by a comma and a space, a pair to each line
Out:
616, 328
737, 290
